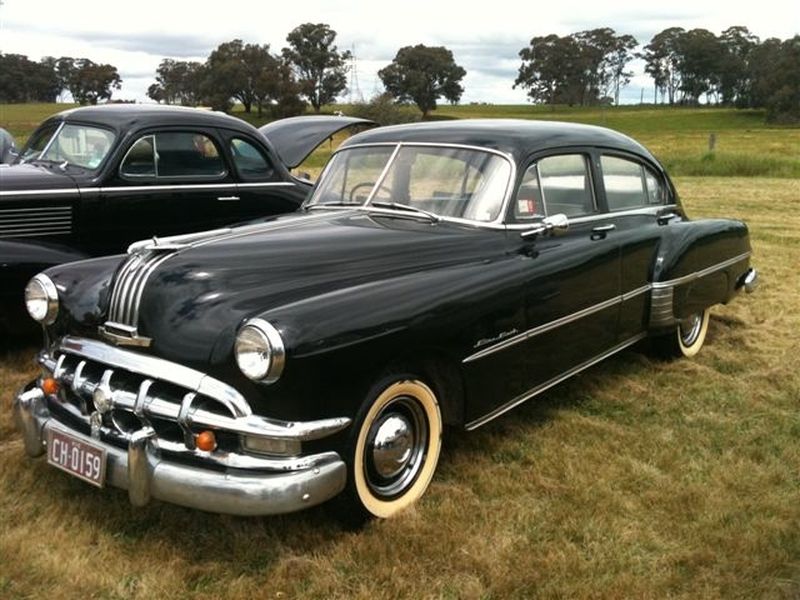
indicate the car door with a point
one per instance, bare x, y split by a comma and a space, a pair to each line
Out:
570, 285
167, 182
636, 196
263, 189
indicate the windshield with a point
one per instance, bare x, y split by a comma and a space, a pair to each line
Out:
79, 145
454, 182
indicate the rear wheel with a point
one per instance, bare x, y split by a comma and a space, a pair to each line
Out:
688, 337
394, 447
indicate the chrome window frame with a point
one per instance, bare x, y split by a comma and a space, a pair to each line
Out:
496, 223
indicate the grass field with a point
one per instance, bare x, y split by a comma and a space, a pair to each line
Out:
638, 478
679, 137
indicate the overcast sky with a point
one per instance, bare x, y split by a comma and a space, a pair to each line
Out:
485, 36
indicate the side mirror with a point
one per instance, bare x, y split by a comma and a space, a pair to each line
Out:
554, 224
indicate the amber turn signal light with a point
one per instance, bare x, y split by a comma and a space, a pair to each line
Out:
50, 386
206, 441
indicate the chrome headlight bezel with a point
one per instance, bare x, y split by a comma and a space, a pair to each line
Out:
259, 351
41, 299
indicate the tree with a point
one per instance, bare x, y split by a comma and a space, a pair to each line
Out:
661, 58
699, 58
177, 82
320, 68
775, 79
90, 82
22, 80
734, 81
422, 74
582, 68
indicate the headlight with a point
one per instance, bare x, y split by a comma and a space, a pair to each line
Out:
259, 351
41, 299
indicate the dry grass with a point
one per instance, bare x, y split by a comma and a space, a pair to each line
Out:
637, 479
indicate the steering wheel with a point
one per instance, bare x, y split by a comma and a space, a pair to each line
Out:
368, 184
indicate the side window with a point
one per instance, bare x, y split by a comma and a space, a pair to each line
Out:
249, 161
630, 184
168, 154
566, 185
140, 161
186, 154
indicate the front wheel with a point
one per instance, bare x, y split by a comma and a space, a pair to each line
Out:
688, 337
394, 447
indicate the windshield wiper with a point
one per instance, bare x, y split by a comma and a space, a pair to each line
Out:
331, 205
433, 217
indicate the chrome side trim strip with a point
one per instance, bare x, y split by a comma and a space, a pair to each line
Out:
658, 307
54, 192
267, 184
702, 273
637, 292
539, 329
554, 381
143, 188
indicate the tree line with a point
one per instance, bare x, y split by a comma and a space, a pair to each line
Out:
310, 70
585, 68
23, 80
735, 68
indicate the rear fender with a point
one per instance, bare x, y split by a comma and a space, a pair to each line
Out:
699, 264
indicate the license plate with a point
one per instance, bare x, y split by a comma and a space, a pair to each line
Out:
76, 457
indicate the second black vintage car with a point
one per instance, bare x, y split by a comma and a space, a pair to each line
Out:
440, 274
92, 180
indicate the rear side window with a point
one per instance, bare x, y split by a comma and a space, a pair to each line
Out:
249, 161
629, 184
556, 184
173, 154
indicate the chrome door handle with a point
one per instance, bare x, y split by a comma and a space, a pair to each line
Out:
228, 198
604, 228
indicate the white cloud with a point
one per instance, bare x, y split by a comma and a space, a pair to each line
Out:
135, 36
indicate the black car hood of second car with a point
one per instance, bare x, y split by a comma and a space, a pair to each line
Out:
204, 292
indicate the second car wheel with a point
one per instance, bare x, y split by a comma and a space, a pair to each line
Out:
394, 446
687, 338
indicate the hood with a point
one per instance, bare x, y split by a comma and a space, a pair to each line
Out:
202, 293
31, 177
297, 137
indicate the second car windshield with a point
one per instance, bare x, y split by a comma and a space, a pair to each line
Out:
79, 145
455, 182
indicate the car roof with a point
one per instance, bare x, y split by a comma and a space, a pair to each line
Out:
517, 137
126, 116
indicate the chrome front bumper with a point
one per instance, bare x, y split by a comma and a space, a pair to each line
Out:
146, 474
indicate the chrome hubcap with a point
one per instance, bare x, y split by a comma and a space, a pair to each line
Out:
690, 329
396, 444
391, 448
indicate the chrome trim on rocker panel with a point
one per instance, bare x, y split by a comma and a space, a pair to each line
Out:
554, 381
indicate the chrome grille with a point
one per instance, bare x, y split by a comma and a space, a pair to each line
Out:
38, 220
129, 286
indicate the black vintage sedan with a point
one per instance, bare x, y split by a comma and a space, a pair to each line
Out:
439, 274
92, 180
